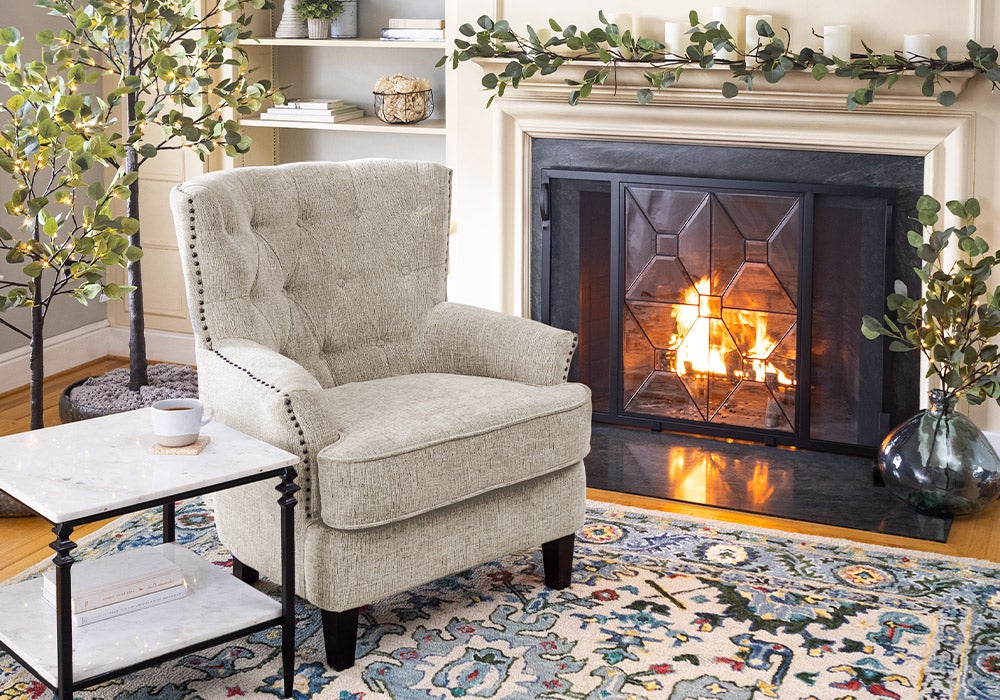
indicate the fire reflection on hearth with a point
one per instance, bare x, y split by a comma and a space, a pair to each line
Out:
702, 475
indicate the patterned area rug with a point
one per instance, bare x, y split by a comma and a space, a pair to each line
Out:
661, 607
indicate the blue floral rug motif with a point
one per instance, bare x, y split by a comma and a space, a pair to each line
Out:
662, 607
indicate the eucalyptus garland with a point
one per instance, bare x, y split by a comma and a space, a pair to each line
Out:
606, 46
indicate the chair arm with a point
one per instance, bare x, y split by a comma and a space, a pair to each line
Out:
262, 393
461, 339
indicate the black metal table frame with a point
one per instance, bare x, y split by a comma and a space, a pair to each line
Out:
63, 545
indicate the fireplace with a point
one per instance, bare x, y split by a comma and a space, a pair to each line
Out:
727, 306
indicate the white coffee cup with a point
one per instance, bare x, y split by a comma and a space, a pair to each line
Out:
178, 422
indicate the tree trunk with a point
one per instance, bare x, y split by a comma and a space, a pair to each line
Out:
36, 362
138, 366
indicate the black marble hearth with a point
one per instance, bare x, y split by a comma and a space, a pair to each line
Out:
817, 487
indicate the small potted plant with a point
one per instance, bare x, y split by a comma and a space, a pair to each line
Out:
939, 461
318, 15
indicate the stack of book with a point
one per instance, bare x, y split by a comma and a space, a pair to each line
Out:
307, 109
400, 29
104, 588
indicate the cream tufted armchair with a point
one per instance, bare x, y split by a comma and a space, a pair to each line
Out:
433, 436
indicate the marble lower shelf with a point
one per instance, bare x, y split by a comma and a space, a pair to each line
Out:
217, 604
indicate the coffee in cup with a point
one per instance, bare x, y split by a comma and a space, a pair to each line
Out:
177, 422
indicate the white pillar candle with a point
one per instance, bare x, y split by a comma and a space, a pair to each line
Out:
752, 38
624, 22
916, 46
622, 19
732, 19
673, 37
837, 41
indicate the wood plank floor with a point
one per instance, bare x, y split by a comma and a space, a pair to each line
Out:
24, 541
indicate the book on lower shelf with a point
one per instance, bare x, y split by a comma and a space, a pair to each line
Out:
312, 103
122, 607
413, 23
332, 116
99, 582
414, 34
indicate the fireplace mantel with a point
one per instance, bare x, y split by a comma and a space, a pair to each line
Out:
703, 87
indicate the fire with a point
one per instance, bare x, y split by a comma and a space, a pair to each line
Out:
700, 326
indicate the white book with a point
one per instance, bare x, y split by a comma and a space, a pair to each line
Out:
163, 595
407, 23
320, 118
311, 103
412, 34
313, 112
99, 582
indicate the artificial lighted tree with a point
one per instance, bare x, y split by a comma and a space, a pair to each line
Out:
176, 70
53, 145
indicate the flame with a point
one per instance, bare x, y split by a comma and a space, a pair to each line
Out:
694, 319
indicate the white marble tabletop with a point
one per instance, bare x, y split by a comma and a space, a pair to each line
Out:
89, 467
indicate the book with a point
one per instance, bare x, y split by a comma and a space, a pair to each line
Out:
412, 34
123, 607
301, 116
128, 574
310, 103
312, 112
407, 23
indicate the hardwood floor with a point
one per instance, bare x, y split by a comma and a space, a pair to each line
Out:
24, 541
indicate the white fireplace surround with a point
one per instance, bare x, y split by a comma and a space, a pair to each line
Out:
799, 113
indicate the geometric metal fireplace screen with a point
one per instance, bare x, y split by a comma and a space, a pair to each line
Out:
719, 307
710, 313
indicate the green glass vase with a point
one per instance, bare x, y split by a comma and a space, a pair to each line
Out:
939, 462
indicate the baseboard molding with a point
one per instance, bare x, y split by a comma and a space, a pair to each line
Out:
88, 343
161, 346
62, 352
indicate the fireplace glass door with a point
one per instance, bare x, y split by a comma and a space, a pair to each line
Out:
711, 303
724, 307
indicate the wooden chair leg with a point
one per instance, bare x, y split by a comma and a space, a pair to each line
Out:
246, 574
340, 635
557, 558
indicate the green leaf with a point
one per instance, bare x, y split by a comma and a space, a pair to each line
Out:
644, 96
947, 98
33, 269
730, 90
819, 71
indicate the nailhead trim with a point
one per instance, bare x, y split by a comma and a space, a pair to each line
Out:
203, 323
569, 358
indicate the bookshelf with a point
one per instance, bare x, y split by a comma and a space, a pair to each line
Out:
348, 69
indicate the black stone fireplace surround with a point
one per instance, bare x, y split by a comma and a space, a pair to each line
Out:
856, 263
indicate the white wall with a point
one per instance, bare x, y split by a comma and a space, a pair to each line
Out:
66, 314
482, 268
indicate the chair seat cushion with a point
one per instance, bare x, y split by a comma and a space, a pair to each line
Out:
417, 442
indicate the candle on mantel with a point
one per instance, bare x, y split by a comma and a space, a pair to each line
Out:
732, 19
837, 41
624, 22
916, 46
673, 37
753, 38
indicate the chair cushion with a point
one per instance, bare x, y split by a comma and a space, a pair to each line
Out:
417, 442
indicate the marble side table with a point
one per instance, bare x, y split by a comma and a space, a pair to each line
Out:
89, 470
